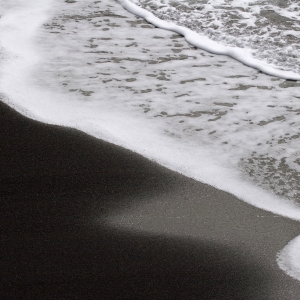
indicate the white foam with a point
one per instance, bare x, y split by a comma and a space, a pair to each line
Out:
257, 28
202, 42
288, 258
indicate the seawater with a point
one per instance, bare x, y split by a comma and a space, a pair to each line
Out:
95, 67
270, 29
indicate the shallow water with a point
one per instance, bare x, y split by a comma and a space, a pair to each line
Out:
270, 28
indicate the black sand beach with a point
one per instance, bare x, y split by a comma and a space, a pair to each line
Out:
57, 187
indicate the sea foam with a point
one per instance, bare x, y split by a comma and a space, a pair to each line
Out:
268, 30
243, 55
288, 258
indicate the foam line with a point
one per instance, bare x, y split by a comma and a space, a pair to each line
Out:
288, 258
242, 55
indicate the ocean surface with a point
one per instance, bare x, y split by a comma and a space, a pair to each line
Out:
94, 66
270, 29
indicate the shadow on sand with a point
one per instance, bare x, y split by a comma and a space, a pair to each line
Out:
54, 182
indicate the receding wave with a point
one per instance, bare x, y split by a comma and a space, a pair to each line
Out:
268, 31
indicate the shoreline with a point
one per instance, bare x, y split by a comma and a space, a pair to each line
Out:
58, 187
166, 101
82, 217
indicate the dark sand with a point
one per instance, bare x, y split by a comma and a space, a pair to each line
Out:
57, 187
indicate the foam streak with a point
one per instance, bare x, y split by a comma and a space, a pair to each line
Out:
242, 55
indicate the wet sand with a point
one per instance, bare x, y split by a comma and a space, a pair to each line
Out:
58, 189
